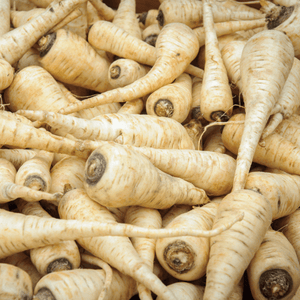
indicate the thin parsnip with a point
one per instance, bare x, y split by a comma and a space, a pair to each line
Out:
216, 98
174, 53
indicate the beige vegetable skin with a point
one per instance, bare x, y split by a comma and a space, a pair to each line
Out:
106, 184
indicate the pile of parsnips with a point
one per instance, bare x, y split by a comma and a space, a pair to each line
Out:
125, 132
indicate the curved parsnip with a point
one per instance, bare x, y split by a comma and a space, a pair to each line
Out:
204, 169
148, 218
232, 251
136, 130
90, 71
173, 100
125, 18
272, 152
266, 61
216, 98
10, 288
186, 258
53, 258
125, 71
274, 271
11, 191
35, 172
176, 47
152, 189
190, 12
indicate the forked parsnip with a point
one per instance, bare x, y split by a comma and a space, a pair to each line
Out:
4, 17
232, 251
11, 191
22, 261
190, 12
204, 169
35, 172
52, 258
274, 152
173, 100
176, 47
125, 18
15, 283
136, 130
282, 190
216, 98
185, 258
15, 43
289, 100
148, 218
83, 284
125, 71
266, 62
108, 37
144, 184
90, 72
274, 271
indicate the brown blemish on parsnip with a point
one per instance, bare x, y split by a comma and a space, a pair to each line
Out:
179, 256
275, 284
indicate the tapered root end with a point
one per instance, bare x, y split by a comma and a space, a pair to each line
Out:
219, 116
115, 72
60, 264
95, 168
164, 108
44, 294
275, 284
46, 43
179, 256
151, 39
36, 182
160, 18
277, 19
